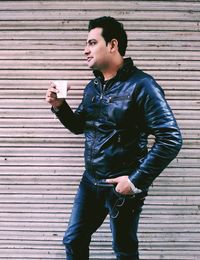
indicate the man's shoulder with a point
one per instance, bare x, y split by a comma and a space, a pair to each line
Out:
141, 74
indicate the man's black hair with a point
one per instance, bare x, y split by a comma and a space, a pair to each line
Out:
112, 29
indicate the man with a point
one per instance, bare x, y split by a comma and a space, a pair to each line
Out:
120, 108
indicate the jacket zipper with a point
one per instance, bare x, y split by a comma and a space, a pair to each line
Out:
111, 99
102, 87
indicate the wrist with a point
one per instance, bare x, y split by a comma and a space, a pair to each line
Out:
56, 109
134, 189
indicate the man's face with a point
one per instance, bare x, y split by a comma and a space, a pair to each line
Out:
96, 50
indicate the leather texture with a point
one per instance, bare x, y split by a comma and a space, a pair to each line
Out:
116, 118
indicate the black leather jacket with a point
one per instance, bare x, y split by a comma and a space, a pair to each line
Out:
117, 117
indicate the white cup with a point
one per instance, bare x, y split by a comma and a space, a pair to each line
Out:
61, 86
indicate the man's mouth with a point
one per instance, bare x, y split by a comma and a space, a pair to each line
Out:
89, 59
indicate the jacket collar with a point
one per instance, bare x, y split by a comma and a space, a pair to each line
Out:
122, 74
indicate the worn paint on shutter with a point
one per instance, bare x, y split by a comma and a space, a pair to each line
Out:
41, 162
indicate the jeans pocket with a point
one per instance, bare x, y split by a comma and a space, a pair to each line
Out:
135, 204
123, 204
116, 202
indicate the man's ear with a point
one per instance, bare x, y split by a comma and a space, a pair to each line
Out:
113, 45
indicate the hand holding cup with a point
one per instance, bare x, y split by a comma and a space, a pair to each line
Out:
57, 92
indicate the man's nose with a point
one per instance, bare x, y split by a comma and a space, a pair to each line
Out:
86, 50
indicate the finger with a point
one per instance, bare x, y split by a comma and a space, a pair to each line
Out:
53, 89
50, 94
113, 181
52, 84
50, 97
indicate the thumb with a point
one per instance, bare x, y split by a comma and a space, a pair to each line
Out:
113, 181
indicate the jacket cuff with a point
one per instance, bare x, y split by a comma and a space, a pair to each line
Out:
134, 189
138, 180
56, 110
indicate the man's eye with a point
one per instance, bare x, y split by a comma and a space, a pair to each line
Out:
92, 43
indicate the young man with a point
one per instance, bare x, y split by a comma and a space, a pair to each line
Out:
121, 106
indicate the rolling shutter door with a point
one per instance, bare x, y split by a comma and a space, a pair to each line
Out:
41, 162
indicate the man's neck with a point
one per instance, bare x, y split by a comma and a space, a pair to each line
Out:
112, 71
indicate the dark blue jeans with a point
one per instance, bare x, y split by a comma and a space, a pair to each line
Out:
91, 206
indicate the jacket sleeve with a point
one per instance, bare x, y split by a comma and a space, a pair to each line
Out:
74, 121
158, 120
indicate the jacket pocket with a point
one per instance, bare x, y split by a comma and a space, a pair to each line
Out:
118, 98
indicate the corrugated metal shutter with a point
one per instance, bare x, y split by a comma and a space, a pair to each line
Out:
41, 162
